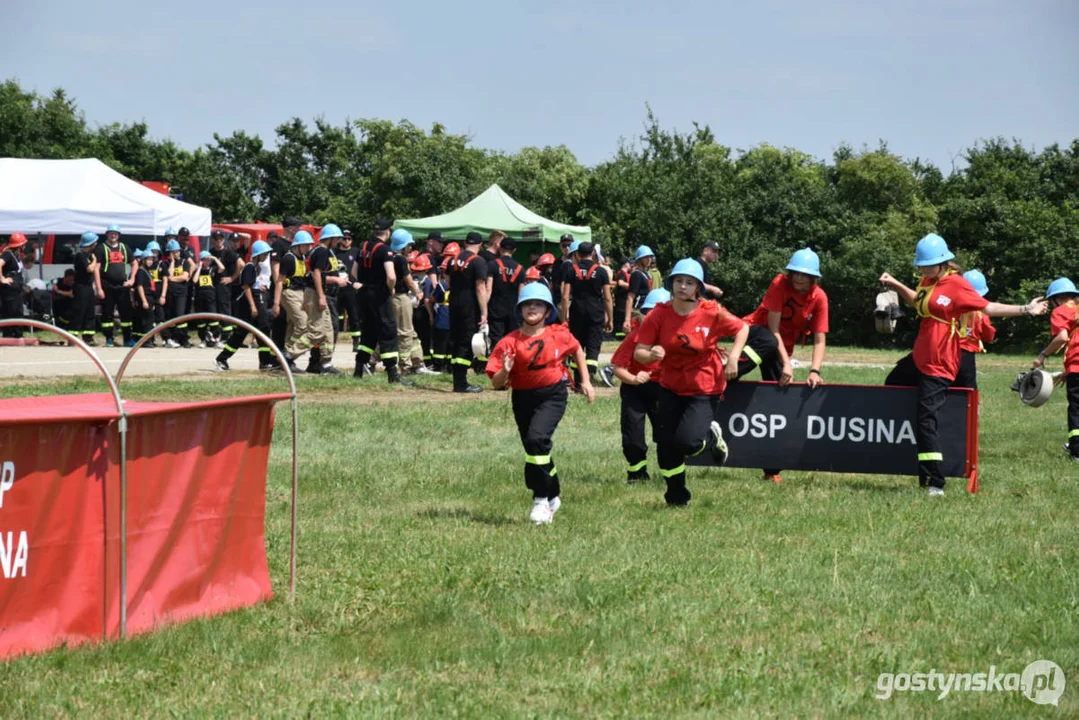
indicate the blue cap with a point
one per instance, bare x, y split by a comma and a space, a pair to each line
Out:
113, 228
330, 231
302, 238
535, 291
644, 252
260, 247
172, 246
205, 255
655, 297
932, 250
977, 281
153, 246
400, 239
88, 238
805, 261
687, 266
1060, 286
574, 246
171, 232
138, 254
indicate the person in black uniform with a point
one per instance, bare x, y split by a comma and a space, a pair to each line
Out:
178, 272
640, 284
280, 245
494, 246
63, 291
230, 273
206, 274
586, 301
190, 258
709, 254
250, 304
468, 309
561, 267
142, 295
324, 277
374, 269
11, 282
114, 285
504, 276
84, 302
433, 247
348, 309
158, 275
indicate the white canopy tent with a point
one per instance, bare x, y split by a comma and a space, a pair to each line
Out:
73, 196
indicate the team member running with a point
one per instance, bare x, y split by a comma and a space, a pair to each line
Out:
250, 305
942, 299
684, 335
529, 360
979, 331
1064, 323
638, 392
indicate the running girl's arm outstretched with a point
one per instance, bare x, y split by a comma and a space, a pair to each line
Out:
1037, 306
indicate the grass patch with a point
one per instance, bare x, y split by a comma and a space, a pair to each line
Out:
424, 590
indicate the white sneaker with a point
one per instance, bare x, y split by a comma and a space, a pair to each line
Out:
424, 370
554, 504
204, 345
719, 450
170, 343
541, 512
936, 492
606, 375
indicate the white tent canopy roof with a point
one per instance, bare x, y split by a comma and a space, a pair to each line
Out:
70, 197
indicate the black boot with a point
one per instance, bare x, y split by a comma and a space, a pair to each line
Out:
393, 375
314, 363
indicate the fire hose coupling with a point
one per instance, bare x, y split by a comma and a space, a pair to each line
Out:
887, 312
1034, 387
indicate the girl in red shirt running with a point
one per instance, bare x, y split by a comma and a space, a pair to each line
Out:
638, 392
529, 360
942, 299
1064, 322
979, 330
683, 335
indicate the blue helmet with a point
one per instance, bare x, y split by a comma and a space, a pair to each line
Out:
171, 232
977, 281
805, 261
330, 231
574, 246
1059, 287
152, 247
535, 291
205, 255
302, 238
687, 266
644, 252
260, 247
88, 238
113, 228
657, 296
172, 246
400, 239
932, 250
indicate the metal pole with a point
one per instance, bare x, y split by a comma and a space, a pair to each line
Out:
295, 421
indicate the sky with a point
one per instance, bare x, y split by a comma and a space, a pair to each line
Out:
929, 77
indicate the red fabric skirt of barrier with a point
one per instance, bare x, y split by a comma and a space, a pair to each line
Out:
195, 515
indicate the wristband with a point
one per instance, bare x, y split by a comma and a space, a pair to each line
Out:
815, 370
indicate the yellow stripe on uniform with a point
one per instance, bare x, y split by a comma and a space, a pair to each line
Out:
389, 355
537, 459
639, 466
1073, 433
673, 471
751, 354
364, 348
462, 361
930, 457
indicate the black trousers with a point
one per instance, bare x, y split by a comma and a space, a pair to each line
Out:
116, 298
333, 301
968, 371
159, 310
175, 306
932, 392
143, 321
421, 323
684, 422
83, 305
206, 302
619, 318
639, 402
589, 334
440, 348
500, 327
761, 351
223, 297
1072, 383
279, 329
263, 321
11, 309
538, 413
348, 310
377, 325
463, 325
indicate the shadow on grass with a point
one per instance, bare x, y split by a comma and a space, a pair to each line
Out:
465, 514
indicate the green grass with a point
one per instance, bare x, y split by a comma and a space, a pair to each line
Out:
423, 590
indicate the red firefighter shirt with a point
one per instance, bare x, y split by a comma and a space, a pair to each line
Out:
623, 356
800, 313
691, 363
1065, 317
979, 331
537, 359
941, 304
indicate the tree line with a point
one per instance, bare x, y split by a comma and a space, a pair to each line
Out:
1009, 210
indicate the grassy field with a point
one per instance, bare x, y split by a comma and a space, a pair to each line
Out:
424, 590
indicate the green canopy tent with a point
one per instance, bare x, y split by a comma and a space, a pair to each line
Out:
492, 210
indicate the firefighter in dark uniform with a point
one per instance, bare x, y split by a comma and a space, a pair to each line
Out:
374, 269
114, 282
279, 247
83, 300
324, 271
586, 301
249, 300
433, 248
348, 310
189, 258
468, 309
223, 281
504, 277
11, 282
561, 267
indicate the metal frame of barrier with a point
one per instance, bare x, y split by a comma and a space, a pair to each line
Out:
114, 388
